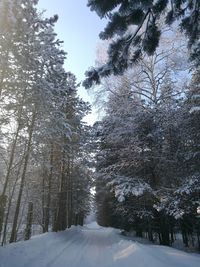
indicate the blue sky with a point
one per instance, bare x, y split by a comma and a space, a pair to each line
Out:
79, 28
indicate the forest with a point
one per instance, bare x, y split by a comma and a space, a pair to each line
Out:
138, 167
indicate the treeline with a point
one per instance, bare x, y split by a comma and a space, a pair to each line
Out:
148, 157
148, 147
43, 178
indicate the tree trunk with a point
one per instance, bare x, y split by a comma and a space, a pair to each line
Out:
14, 226
69, 197
61, 218
43, 202
47, 209
11, 161
3, 200
29, 221
19, 117
9, 204
80, 219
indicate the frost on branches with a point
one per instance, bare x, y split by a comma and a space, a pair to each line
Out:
128, 186
183, 201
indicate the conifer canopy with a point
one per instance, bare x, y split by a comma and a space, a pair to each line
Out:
134, 27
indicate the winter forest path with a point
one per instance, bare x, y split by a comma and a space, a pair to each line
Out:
91, 246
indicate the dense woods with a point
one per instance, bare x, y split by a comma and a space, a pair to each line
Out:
44, 181
142, 157
148, 148
148, 164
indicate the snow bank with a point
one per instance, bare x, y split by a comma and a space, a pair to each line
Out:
91, 246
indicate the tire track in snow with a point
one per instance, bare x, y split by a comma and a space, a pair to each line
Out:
53, 250
91, 247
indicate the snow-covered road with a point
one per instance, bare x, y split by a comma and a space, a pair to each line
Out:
91, 246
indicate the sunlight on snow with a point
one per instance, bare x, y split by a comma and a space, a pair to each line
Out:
198, 210
177, 253
125, 252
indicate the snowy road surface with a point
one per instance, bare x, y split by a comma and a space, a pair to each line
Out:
91, 246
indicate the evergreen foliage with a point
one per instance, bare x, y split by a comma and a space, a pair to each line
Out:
42, 131
136, 28
147, 178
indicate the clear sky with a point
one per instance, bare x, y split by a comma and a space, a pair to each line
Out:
79, 28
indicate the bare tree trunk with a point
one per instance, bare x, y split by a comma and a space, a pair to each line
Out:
3, 196
47, 209
8, 210
7, 178
3, 200
61, 219
7, 215
43, 202
69, 219
14, 145
29, 221
14, 227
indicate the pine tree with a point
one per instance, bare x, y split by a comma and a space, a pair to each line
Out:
193, 122
141, 153
130, 45
39, 98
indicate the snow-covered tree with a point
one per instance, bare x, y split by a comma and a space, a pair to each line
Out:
144, 147
136, 24
41, 122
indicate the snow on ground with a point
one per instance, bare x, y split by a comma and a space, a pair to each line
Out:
91, 246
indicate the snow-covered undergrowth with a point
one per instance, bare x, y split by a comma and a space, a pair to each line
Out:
91, 246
